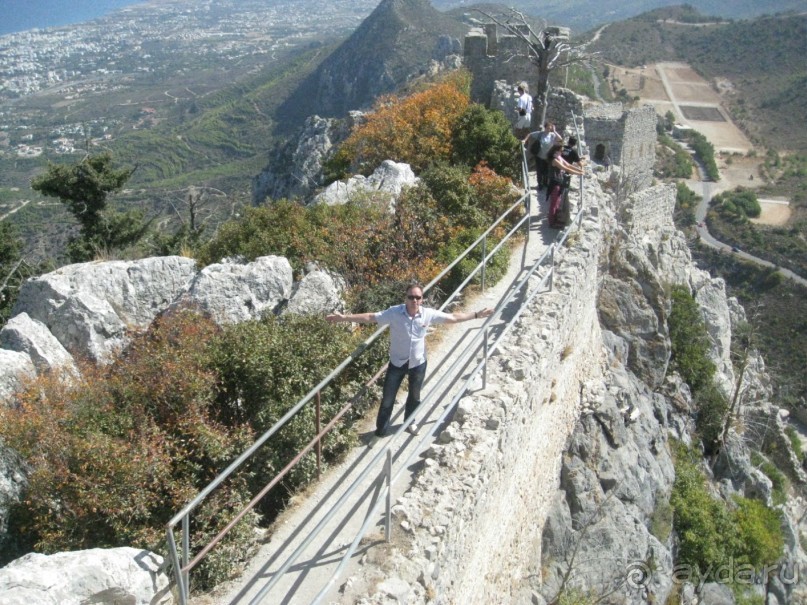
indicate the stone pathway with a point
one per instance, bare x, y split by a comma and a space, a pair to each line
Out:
318, 560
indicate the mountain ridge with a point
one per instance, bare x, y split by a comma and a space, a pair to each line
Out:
376, 59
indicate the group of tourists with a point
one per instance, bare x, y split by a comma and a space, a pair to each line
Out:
554, 161
554, 165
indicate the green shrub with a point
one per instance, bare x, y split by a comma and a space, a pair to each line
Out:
795, 442
686, 201
760, 531
115, 454
265, 367
485, 135
739, 203
706, 532
712, 408
689, 340
711, 533
706, 152
779, 482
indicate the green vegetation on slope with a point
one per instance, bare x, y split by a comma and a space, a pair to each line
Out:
775, 307
763, 59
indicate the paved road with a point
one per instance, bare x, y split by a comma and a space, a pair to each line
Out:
708, 189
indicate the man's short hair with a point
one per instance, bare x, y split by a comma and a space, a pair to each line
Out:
413, 284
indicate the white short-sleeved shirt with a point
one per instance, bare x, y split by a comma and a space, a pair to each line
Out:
408, 334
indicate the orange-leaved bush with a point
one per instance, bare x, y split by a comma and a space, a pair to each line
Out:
416, 129
117, 452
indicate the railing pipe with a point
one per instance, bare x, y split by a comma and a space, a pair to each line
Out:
484, 261
483, 363
388, 516
319, 439
184, 515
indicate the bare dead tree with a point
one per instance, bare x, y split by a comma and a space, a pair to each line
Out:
548, 48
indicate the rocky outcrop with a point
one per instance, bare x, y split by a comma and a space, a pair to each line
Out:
295, 170
89, 306
616, 472
88, 310
13, 481
33, 338
102, 577
318, 293
388, 180
14, 368
233, 292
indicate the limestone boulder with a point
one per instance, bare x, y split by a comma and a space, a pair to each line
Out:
318, 293
99, 576
233, 291
389, 179
713, 302
88, 307
14, 367
716, 594
626, 312
295, 169
32, 337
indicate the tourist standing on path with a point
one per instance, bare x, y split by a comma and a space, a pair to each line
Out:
524, 111
558, 169
408, 324
539, 143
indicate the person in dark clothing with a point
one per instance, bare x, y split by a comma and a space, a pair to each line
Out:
558, 168
569, 152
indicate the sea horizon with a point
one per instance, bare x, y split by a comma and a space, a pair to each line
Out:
24, 15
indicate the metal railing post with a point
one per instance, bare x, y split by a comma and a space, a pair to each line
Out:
485, 359
551, 266
319, 440
388, 514
186, 549
484, 263
180, 577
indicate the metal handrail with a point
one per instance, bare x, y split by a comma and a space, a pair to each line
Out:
385, 454
385, 495
185, 565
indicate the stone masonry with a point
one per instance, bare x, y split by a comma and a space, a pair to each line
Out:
471, 523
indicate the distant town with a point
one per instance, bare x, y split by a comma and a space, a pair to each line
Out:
47, 73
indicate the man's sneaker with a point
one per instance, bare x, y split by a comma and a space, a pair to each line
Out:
373, 440
413, 428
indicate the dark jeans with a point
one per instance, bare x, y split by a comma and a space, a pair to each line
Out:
392, 382
542, 171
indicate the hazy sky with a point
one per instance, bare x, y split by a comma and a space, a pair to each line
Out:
18, 15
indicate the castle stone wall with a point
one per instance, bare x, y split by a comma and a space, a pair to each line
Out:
650, 209
626, 138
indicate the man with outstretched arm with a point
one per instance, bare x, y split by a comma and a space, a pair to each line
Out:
408, 324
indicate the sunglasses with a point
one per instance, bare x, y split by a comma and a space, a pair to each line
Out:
413, 297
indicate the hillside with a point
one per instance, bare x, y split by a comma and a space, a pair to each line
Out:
759, 63
578, 14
